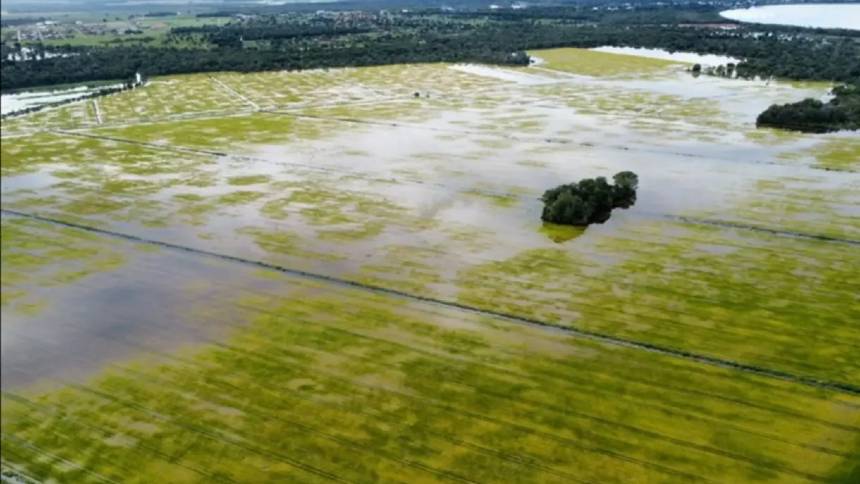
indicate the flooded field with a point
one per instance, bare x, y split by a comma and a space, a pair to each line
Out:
342, 275
20, 101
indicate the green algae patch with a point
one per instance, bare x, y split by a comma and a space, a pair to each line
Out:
248, 180
194, 209
517, 285
841, 153
352, 231
502, 200
81, 176
218, 132
772, 137
799, 205
240, 197
277, 209
403, 267
27, 154
601, 64
338, 214
280, 243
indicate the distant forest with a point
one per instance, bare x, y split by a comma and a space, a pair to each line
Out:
336, 39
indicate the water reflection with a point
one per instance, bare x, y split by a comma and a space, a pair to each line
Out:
160, 300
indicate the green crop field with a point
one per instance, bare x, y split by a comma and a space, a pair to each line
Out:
320, 275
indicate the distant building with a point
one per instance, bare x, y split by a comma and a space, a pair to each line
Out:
715, 26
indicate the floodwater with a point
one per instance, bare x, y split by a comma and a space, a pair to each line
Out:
323, 258
20, 101
448, 182
160, 301
830, 16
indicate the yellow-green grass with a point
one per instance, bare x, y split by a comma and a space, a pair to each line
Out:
816, 206
842, 153
601, 64
334, 383
778, 302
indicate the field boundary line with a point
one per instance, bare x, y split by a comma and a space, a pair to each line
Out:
759, 228
836, 386
98, 111
166, 147
234, 92
582, 302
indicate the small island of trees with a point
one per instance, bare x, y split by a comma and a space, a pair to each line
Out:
590, 200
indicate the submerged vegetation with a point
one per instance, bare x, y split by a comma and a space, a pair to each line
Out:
814, 116
590, 200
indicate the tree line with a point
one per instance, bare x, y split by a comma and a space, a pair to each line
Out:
301, 41
815, 116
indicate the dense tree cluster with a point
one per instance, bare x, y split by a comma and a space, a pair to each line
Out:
814, 116
121, 61
275, 30
590, 200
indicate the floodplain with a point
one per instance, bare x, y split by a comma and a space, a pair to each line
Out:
342, 275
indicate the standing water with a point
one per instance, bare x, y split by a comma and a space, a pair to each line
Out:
831, 16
